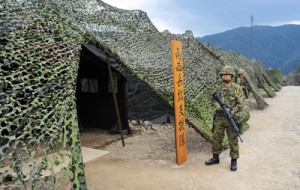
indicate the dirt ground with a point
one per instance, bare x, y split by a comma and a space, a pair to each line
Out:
269, 156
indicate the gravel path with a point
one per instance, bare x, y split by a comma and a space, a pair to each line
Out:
269, 156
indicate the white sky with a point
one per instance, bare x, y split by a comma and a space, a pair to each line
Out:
205, 17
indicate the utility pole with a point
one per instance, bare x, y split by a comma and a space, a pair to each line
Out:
251, 18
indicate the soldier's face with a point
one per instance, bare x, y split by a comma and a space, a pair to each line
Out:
226, 77
242, 76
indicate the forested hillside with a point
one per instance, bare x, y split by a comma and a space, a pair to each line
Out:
276, 47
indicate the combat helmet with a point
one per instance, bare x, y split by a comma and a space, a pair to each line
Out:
241, 71
227, 70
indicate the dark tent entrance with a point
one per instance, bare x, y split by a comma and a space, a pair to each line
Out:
94, 93
94, 96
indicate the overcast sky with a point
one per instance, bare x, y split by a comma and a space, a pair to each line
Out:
205, 17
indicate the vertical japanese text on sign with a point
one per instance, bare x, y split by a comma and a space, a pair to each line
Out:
178, 80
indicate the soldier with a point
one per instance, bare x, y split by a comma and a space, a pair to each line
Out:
232, 96
242, 117
241, 80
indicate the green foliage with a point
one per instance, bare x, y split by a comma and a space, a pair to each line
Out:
297, 69
294, 77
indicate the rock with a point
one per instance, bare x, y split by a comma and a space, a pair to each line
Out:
155, 127
134, 122
131, 125
147, 124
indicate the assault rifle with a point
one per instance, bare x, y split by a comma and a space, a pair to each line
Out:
227, 113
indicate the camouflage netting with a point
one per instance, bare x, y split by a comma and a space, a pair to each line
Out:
40, 44
294, 77
276, 76
38, 66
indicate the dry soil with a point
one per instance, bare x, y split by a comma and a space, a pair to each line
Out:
269, 156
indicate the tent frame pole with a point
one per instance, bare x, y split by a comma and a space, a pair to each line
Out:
115, 100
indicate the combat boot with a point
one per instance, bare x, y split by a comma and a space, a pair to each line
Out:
214, 160
233, 165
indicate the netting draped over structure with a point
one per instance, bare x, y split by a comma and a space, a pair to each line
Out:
40, 42
38, 66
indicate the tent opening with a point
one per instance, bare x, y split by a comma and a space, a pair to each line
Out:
94, 94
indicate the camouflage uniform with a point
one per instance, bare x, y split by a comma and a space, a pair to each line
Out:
244, 114
242, 117
233, 98
243, 83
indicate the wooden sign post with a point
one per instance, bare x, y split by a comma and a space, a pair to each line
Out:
180, 128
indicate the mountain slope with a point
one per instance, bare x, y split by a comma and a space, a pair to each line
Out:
277, 47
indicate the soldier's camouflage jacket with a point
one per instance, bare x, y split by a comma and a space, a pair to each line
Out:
232, 97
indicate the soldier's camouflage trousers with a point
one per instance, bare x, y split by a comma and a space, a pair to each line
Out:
221, 123
245, 91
